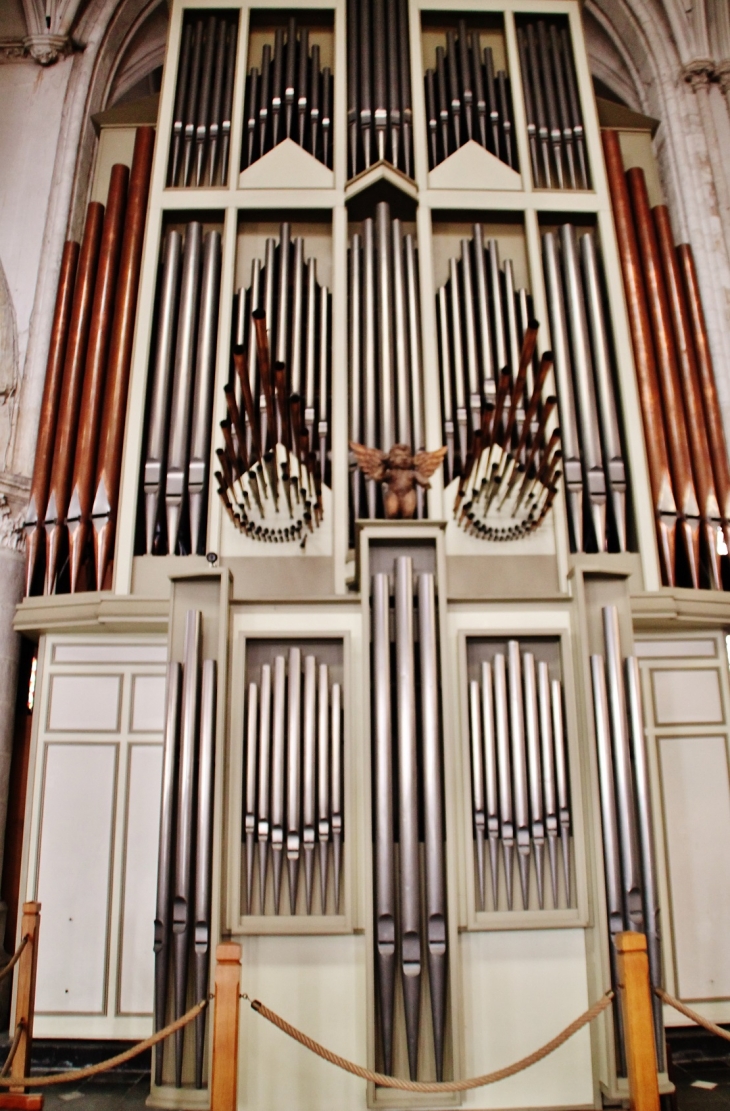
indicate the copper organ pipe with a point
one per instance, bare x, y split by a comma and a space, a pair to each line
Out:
120, 356
644, 357
87, 436
689, 376
668, 373
68, 415
50, 404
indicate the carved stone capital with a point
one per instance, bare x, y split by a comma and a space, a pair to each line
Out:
722, 75
699, 73
47, 49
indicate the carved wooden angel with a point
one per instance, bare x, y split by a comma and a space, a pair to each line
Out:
399, 470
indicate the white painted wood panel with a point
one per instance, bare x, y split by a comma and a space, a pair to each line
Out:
687, 697
667, 649
74, 877
148, 703
144, 778
694, 773
84, 703
110, 653
521, 987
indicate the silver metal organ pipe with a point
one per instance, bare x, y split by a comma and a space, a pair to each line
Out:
513, 338
263, 831
410, 897
525, 316
253, 305
384, 865
472, 366
506, 814
434, 832
249, 817
199, 460
549, 790
561, 779
182, 388
324, 313
534, 769
519, 767
385, 337
294, 772
297, 327
611, 850
356, 382
269, 280
181, 916
496, 288
369, 350
612, 454
414, 334
336, 788
564, 380
646, 844
309, 760
323, 779
161, 377
443, 335
203, 853
310, 362
477, 784
458, 352
628, 837
164, 866
278, 757
584, 384
282, 301
400, 338
490, 776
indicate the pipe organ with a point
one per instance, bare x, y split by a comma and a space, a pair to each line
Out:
415, 456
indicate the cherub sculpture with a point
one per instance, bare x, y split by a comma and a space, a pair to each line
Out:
399, 470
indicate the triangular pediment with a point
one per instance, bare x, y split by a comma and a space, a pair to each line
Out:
473, 167
381, 182
287, 166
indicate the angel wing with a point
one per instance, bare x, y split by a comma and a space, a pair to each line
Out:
426, 463
370, 460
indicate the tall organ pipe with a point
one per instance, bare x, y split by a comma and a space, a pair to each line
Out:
384, 866
203, 853
665, 506
668, 371
87, 432
433, 814
50, 406
202, 411
111, 438
61, 471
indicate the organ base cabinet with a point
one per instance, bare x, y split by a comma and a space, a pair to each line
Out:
409, 670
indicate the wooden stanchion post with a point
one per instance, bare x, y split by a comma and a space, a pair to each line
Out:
17, 1099
635, 998
226, 1008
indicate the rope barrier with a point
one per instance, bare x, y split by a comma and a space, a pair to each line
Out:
15, 957
433, 1086
689, 1013
13, 1048
103, 1066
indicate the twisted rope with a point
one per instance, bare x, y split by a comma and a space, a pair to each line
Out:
689, 1013
103, 1066
15, 957
13, 1048
434, 1086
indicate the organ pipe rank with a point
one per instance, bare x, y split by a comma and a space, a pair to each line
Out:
552, 106
71, 515
466, 100
379, 107
386, 377
520, 791
186, 826
501, 450
293, 782
686, 451
632, 901
201, 129
176, 466
406, 736
277, 434
288, 96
